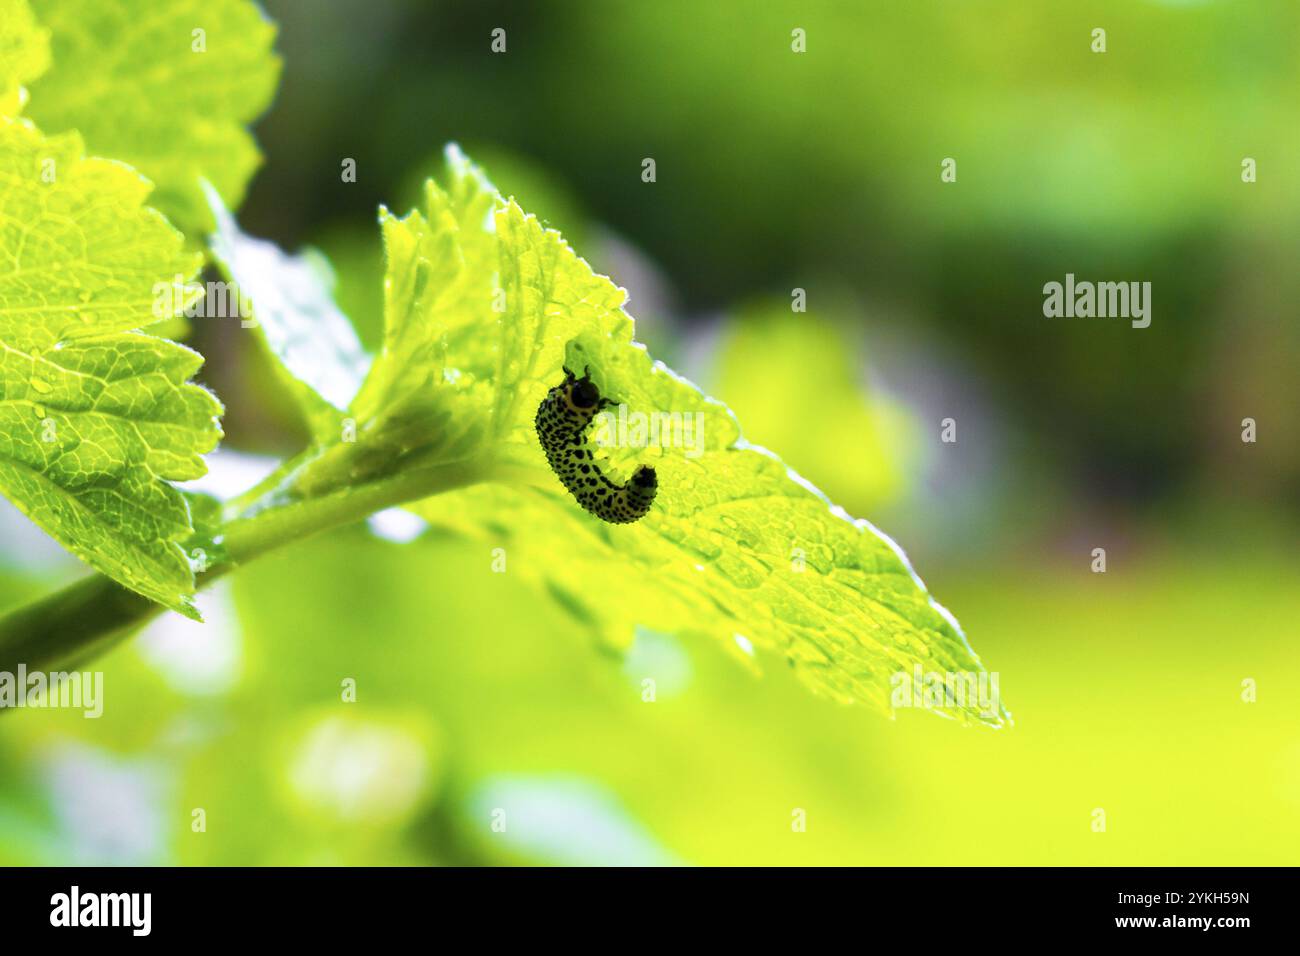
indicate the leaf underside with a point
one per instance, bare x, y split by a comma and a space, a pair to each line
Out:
96, 418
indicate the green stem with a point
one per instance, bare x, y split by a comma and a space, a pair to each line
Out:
63, 628
93, 614
247, 538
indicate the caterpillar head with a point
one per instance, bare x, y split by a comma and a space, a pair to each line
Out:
645, 478
582, 393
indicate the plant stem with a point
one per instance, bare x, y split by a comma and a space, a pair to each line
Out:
247, 538
62, 628
91, 615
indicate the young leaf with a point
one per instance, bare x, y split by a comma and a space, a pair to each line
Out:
95, 419
165, 85
317, 352
483, 307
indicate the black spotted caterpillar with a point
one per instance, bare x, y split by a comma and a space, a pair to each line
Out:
562, 421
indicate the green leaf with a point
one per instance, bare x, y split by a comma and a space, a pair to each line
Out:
130, 77
439, 301
96, 419
483, 306
24, 53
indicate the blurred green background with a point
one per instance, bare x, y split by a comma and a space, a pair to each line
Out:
775, 171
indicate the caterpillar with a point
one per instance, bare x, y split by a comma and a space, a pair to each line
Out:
562, 420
